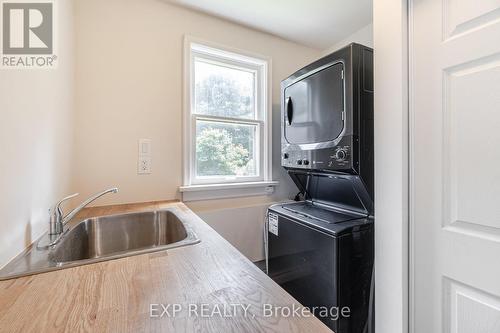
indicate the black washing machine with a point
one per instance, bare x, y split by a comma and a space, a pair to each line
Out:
322, 254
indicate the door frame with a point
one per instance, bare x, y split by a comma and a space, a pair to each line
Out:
393, 123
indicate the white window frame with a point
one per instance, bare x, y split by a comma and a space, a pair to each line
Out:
221, 187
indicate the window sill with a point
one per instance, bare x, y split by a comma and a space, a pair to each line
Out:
221, 191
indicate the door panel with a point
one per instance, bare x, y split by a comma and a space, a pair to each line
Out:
464, 15
455, 194
471, 128
471, 310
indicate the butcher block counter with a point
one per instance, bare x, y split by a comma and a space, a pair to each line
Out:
205, 287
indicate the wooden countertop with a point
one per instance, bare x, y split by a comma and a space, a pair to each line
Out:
116, 295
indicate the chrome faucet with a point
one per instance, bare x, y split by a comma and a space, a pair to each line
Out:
57, 218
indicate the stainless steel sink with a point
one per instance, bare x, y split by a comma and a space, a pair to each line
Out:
112, 236
104, 238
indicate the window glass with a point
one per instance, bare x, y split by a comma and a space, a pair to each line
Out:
224, 91
225, 149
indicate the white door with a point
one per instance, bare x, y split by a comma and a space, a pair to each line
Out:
455, 165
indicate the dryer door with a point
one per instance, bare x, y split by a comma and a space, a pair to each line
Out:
314, 105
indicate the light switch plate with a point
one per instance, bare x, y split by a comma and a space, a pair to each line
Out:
144, 157
144, 147
144, 165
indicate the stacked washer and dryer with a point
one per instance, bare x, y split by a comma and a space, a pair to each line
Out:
321, 249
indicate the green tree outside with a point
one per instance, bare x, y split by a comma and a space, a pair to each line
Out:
217, 154
223, 149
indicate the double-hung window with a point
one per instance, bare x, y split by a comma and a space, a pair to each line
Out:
226, 118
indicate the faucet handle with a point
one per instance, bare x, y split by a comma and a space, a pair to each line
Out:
67, 198
56, 216
57, 207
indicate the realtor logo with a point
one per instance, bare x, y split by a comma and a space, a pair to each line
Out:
28, 34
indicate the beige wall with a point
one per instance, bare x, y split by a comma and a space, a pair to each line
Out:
36, 139
362, 36
243, 227
129, 86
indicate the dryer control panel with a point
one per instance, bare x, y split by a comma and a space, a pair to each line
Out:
325, 159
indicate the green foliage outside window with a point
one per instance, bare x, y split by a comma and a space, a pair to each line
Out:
224, 149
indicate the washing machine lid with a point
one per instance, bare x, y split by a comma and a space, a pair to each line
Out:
346, 192
335, 225
320, 212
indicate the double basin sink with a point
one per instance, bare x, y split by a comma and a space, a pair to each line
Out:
104, 238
